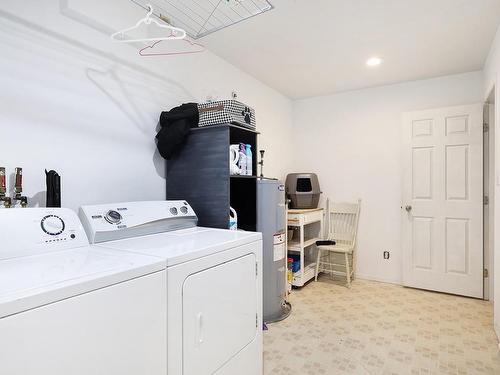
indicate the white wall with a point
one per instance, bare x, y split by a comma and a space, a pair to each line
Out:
73, 101
352, 141
492, 66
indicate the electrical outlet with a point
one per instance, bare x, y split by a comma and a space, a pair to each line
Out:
387, 255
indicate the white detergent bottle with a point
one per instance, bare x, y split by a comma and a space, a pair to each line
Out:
233, 219
248, 153
242, 162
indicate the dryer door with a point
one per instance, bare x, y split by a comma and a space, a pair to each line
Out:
219, 314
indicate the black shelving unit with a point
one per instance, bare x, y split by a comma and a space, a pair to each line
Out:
200, 175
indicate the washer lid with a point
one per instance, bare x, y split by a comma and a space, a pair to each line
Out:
186, 244
33, 281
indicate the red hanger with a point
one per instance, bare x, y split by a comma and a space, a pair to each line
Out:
150, 50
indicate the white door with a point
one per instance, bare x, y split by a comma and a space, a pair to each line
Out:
219, 315
442, 208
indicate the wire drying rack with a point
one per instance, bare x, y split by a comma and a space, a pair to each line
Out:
202, 17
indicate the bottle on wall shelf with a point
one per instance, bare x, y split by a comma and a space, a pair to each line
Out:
248, 154
242, 162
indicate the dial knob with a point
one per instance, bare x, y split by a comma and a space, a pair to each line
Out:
173, 211
184, 210
113, 217
52, 225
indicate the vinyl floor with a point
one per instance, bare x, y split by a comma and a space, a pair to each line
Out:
377, 328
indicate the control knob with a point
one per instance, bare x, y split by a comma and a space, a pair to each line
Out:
113, 217
52, 225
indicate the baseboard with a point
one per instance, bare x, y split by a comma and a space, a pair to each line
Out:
379, 279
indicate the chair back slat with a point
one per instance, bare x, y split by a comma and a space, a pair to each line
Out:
343, 221
342, 237
347, 208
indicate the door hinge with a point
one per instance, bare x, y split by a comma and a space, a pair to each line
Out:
486, 200
485, 273
256, 320
486, 127
256, 269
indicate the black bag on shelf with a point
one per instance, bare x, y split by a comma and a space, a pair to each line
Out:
175, 125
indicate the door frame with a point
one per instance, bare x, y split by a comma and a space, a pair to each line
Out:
489, 191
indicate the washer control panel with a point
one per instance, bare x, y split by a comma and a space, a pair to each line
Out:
32, 231
123, 220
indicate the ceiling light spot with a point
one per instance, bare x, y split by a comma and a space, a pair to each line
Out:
374, 61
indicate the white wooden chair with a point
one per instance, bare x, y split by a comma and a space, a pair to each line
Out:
342, 225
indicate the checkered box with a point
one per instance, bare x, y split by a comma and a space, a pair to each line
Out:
226, 111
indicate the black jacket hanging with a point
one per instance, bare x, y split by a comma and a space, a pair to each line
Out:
175, 125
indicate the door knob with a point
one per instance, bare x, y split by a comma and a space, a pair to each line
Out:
408, 208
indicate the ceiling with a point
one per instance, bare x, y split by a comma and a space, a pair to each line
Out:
307, 48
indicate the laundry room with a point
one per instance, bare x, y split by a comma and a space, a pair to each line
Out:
249, 187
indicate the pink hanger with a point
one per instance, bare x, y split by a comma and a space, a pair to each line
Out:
144, 51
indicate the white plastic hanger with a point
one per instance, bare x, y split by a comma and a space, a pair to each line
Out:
175, 32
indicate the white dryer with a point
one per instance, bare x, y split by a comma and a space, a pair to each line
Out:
214, 281
69, 308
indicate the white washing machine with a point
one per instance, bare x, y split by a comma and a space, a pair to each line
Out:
69, 308
214, 282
